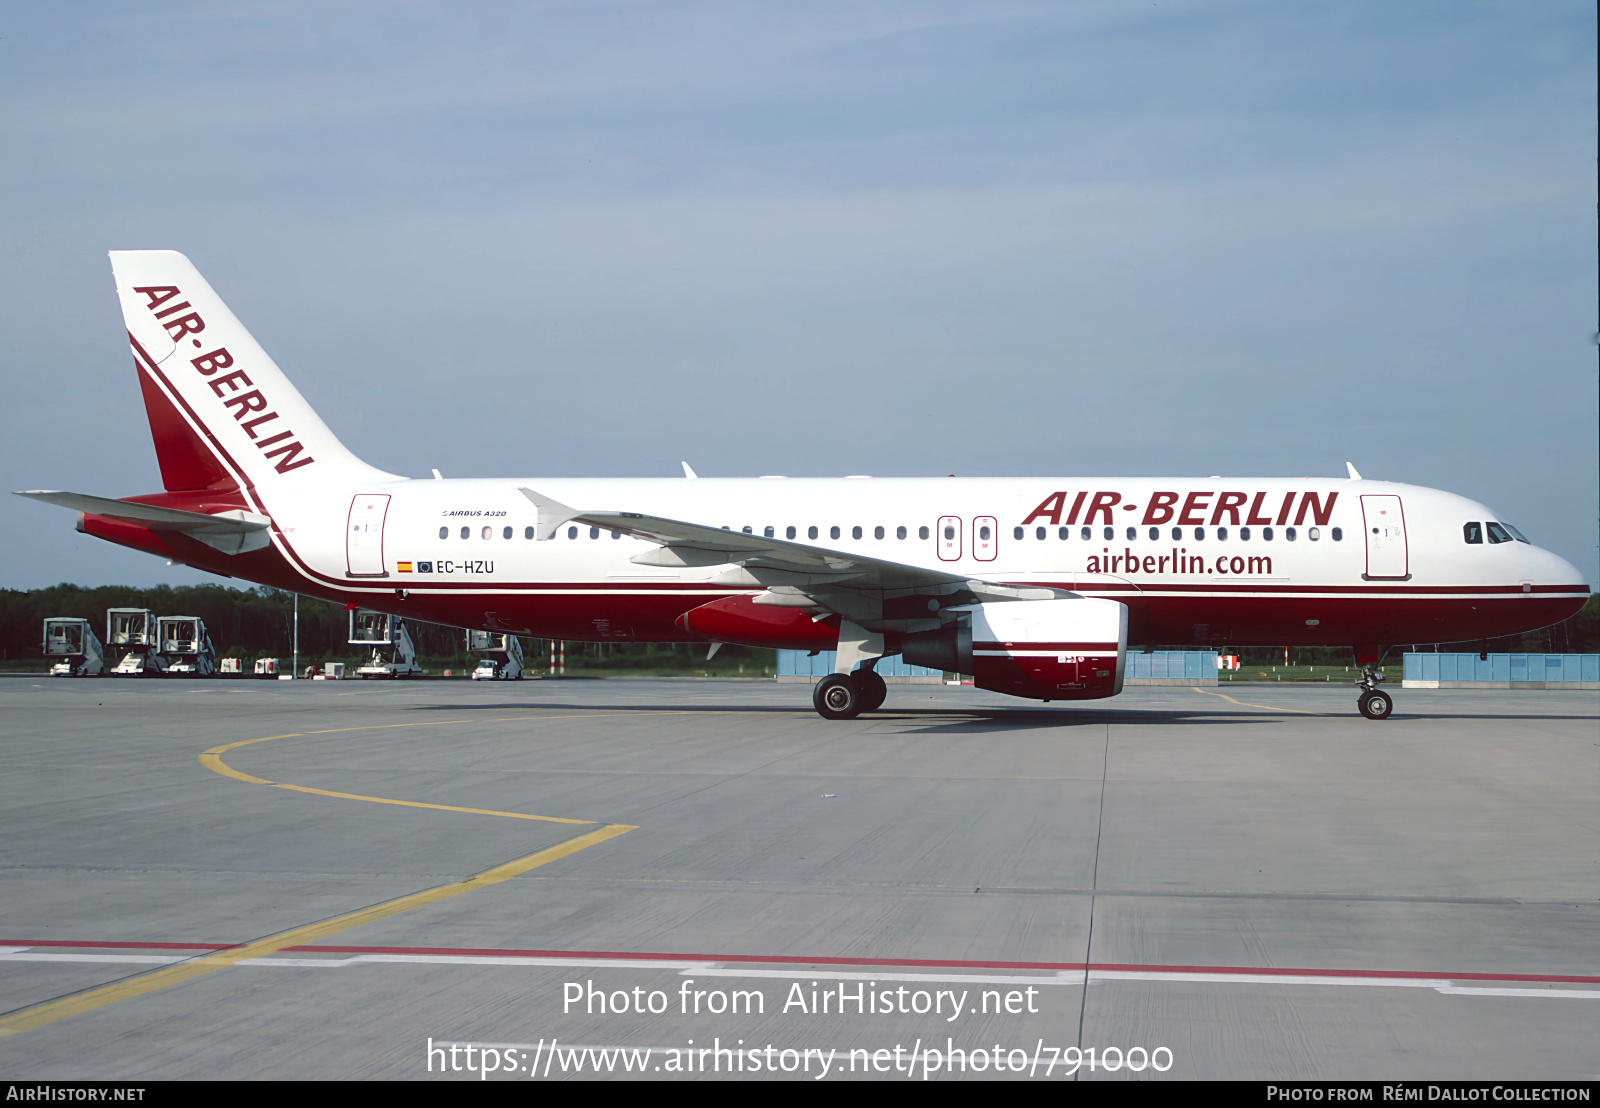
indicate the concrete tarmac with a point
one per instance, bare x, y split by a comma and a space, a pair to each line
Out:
1256, 882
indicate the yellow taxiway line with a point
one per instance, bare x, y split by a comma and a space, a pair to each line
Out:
212, 760
51, 1011
1243, 704
38, 1015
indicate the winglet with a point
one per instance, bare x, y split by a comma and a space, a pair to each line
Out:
1354, 476
552, 514
687, 472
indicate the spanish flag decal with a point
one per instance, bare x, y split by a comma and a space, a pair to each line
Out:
405, 567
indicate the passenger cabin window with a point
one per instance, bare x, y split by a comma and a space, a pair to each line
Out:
1110, 533
949, 532
594, 532
1133, 533
1337, 534
984, 532
1039, 532
488, 532
1177, 534
1064, 533
1313, 533
444, 532
788, 532
877, 532
1472, 534
899, 532
855, 532
1497, 533
1289, 533
572, 532
1017, 533
1222, 534
1266, 534
616, 534
1155, 533
466, 532
1244, 534
527, 532
1199, 533
746, 529
1085, 534
833, 532
506, 533
811, 532
768, 533
922, 532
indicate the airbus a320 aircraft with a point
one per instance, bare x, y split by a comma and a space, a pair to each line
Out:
1033, 586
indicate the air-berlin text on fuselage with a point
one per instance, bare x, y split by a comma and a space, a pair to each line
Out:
253, 403
1179, 561
1209, 508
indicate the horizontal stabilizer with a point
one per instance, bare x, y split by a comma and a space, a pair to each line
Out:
234, 532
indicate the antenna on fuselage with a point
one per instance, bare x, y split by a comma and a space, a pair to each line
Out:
687, 472
1354, 476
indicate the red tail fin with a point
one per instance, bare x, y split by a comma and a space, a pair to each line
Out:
186, 462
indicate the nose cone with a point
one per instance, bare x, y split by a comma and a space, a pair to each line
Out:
1560, 580
1549, 568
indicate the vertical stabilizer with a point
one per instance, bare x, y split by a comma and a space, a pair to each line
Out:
221, 412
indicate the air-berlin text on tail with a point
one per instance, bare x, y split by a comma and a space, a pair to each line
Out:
1194, 509
179, 320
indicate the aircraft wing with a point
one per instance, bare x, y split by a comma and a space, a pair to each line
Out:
230, 532
830, 578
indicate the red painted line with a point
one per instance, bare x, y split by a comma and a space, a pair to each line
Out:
764, 959
789, 959
119, 946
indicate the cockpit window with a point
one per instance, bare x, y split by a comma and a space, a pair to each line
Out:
1472, 533
1498, 533
1515, 533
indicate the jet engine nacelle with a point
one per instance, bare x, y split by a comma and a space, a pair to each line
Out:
1039, 649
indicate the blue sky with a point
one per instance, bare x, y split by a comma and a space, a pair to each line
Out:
895, 238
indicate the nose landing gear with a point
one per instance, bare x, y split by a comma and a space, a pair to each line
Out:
1373, 702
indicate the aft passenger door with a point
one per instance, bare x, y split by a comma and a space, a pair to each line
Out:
363, 535
1384, 522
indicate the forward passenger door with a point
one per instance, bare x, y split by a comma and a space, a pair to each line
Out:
1384, 523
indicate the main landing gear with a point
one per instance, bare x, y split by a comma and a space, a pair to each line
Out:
1373, 702
847, 695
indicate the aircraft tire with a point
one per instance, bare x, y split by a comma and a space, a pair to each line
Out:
838, 696
874, 690
1376, 705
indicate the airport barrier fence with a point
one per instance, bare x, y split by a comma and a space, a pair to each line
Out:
1501, 671
797, 665
1172, 667
1161, 667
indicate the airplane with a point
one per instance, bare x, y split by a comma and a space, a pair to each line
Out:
1034, 587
